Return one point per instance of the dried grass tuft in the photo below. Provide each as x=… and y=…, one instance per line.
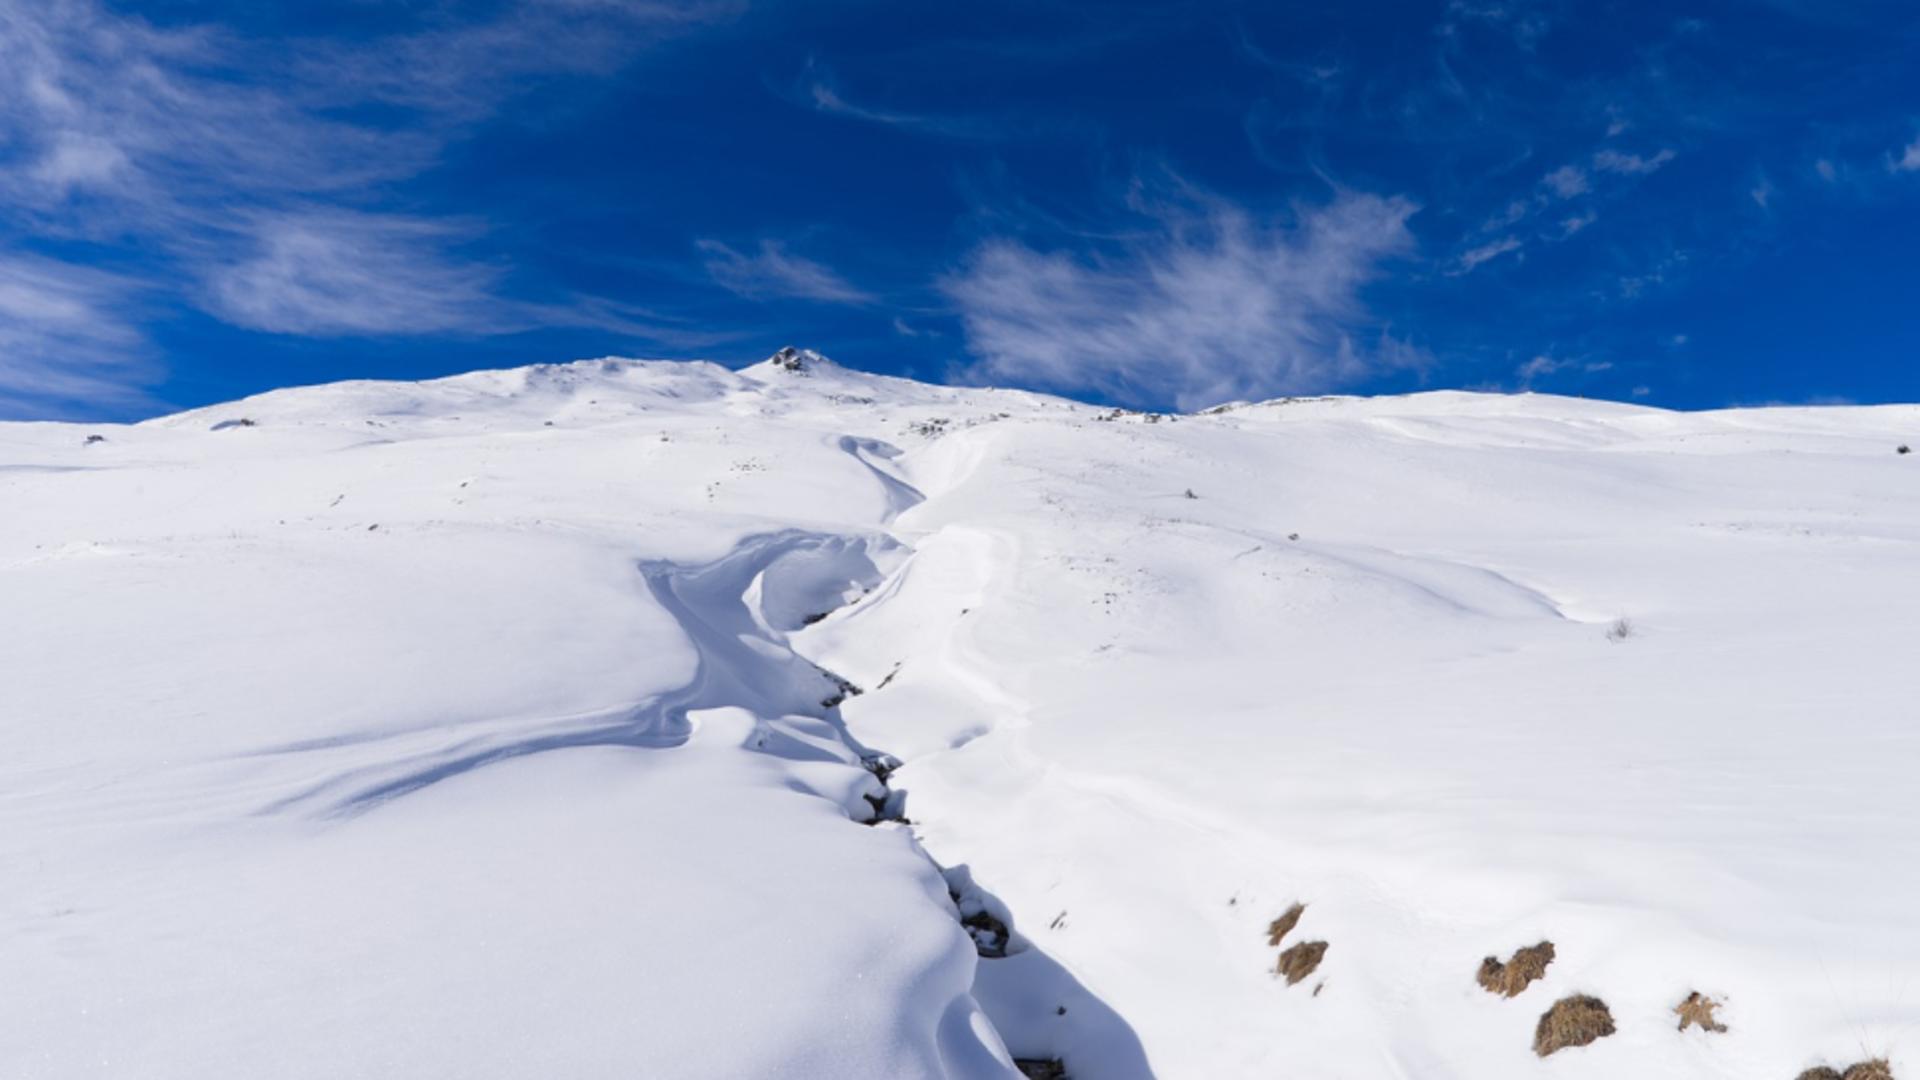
x=1299, y=961
x=1698, y=1009
x=1521, y=971
x=1573, y=1021
x=1288, y=919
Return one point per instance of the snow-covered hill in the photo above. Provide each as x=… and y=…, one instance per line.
x=511, y=725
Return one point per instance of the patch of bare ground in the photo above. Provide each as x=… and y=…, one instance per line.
x=1572, y=1021
x=1300, y=961
x=1041, y=1068
x=1281, y=926
x=1518, y=973
x=990, y=935
x=1698, y=1009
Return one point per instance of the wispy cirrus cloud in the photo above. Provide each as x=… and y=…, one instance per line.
x=1625, y=164
x=1206, y=302
x=65, y=338
x=773, y=271
x=1571, y=183
x=1525, y=23
x=820, y=89
x=257, y=178
x=1575, y=223
x=328, y=272
x=1544, y=366
x=1568, y=181
x=1487, y=252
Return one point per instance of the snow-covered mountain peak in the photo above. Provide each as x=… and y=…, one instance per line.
x=796, y=361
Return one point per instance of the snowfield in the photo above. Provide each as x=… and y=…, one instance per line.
x=648, y=719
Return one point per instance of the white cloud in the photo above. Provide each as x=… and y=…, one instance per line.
x=1571, y=225
x=1544, y=365
x=1516, y=210
x=326, y=272
x=1826, y=170
x=1527, y=27
x=1763, y=192
x=331, y=272
x=78, y=161
x=818, y=90
x=1909, y=159
x=1486, y=252
x=233, y=167
x=1206, y=304
x=1567, y=181
x=1614, y=161
x=773, y=271
x=66, y=345
x=1538, y=367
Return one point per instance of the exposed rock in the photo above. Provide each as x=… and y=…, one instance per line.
x=990, y=935
x=797, y=361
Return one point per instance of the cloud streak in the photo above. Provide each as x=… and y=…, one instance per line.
x=1487, y=252
x=1207, y=303
x=820, y=91
x=64, y=341
x=330, y=272
x=773, y=271
x=1624, y=164
x=258, y=178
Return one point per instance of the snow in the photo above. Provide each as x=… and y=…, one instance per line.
x=495, y=726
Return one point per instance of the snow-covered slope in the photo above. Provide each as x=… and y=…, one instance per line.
x=505, y=726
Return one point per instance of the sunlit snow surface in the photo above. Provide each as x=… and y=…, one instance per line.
x=478, y=728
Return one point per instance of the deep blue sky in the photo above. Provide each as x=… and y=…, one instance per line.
x=1689, y=204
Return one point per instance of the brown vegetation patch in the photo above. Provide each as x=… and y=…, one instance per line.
x=1516, y=974
x=1873, y=1069
x=1299, y=961
x=1288, y=919
x=1698, y=1009
x=1573, y=1021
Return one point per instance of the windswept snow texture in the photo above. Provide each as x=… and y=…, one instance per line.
x=499, y=726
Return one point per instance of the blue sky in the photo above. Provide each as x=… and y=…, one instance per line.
x=1686, y=204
